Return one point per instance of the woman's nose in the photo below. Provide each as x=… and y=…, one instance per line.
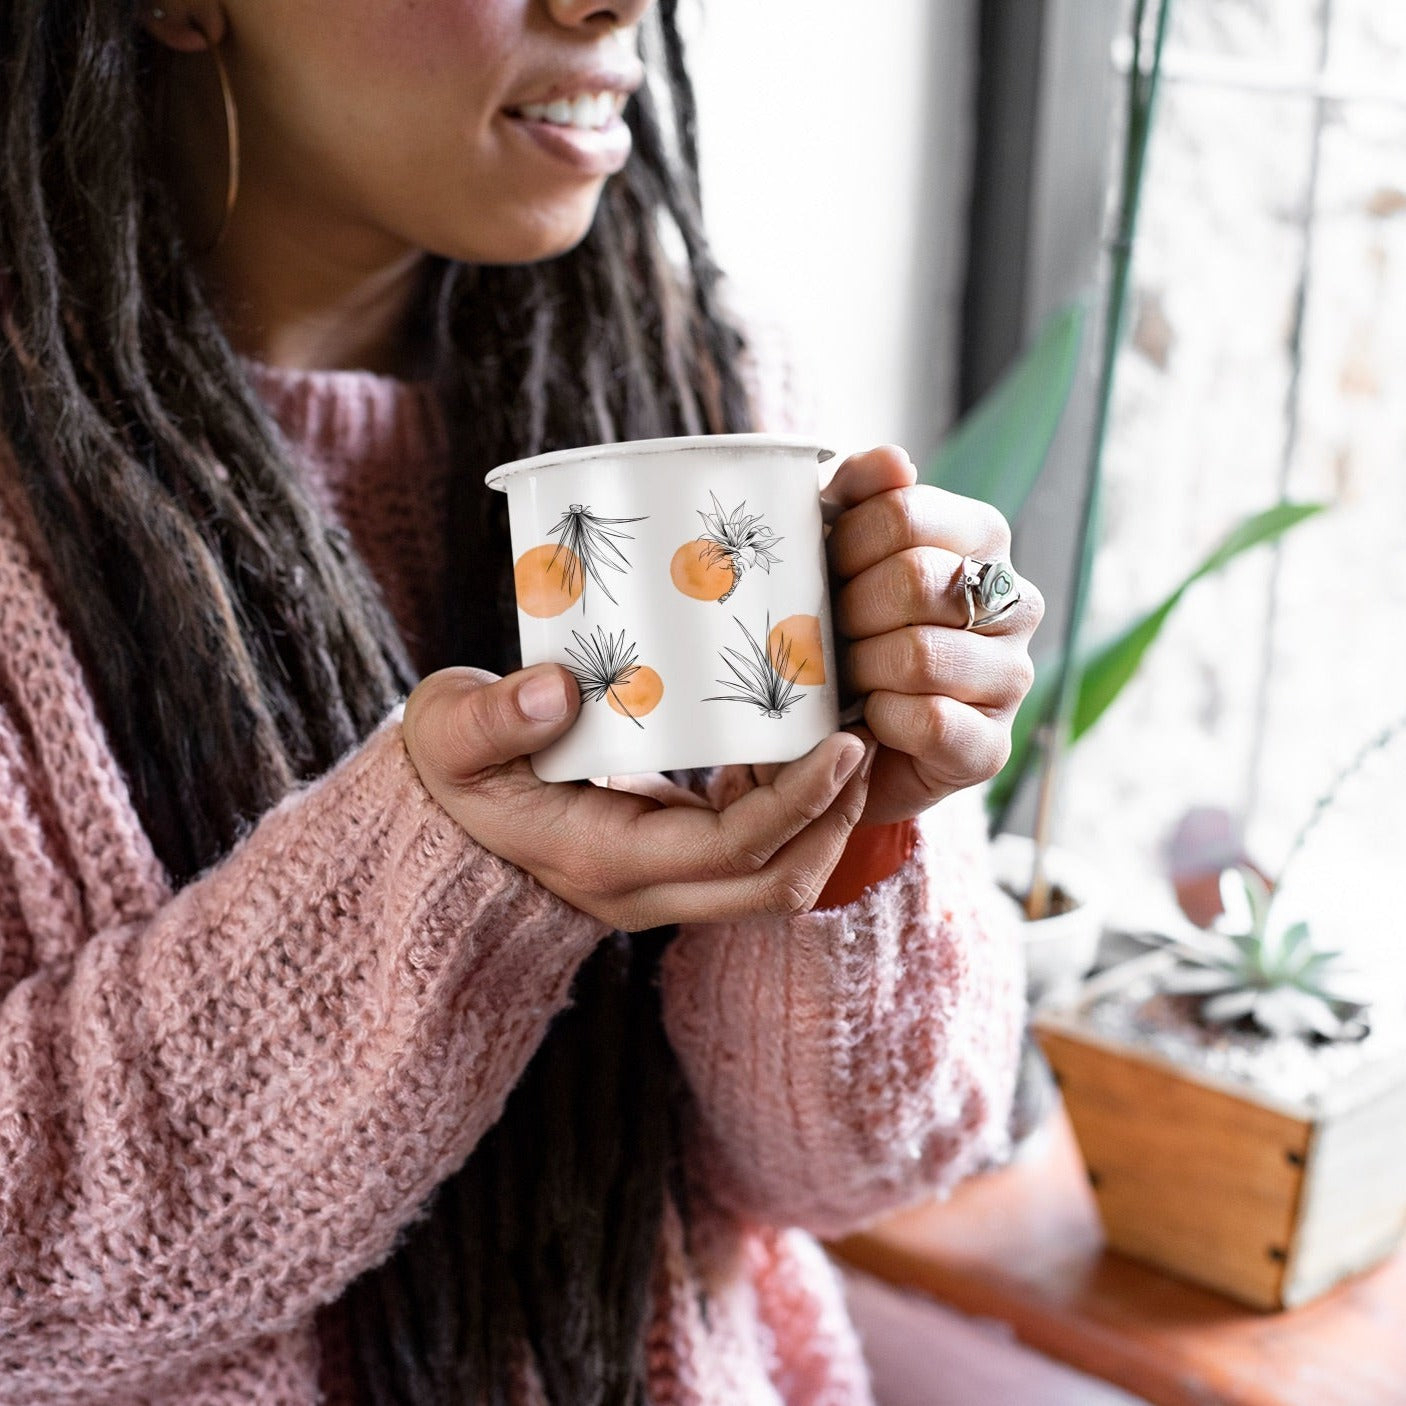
x=602, y=14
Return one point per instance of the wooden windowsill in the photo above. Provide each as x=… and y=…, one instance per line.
x=1023, y=1244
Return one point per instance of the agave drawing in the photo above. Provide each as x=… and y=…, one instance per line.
x=738, y=541
x=603, y=667
x=1275, y=978
x=587, y=544
x=766, y=683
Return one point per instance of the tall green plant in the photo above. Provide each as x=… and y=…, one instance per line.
x=1143, y=87
x=1102, y=670
x=999, y=450
x=997, y=454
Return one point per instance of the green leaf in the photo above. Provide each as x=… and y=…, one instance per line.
x=997, y=451
x=1257, y=893
x=1316, y=966
x=1248, y=944
x=1258, y=527
x=1295, y=937
x=1106, y=667
x=1110, y=665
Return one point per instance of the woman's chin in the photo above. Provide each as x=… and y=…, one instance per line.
x=529, y=238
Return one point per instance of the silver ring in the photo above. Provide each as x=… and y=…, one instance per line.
x=990, y=591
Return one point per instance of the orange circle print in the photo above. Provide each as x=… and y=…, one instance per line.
x=802, y=634
x=548, y=580
x=701, y=571
x=638, y=696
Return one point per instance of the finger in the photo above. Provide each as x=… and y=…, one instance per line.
x=656, y=844
x=459, y=722
x=953, y=742
x=761, y=821
x=790, y=881
x=660, y=844
x=743, y=836
x=863, y=475
x=764, y=773
x=656, y=786
x=991, y=672
x=920, y=516
x=469, y=734
x=919, y=586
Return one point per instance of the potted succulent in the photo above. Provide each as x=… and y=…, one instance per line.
x=1239, y=1101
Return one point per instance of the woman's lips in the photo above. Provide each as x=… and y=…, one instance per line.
x=591, y=151
x=574, y=115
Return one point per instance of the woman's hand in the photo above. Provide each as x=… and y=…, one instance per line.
x=630, y=859
x=941, y=698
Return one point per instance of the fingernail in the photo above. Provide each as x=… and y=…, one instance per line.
x=871, y=750
x=844, y=769
x=543, y=698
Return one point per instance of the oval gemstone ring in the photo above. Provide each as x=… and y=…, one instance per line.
x=990, y=590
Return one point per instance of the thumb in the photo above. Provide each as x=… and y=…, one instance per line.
x=460, y=721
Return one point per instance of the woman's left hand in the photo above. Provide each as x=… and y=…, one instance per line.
x=941, y=697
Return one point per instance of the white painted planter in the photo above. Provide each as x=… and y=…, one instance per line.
x=611, y=584
x=1059, y=950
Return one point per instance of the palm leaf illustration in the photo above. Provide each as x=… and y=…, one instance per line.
x=767, y=684
x=601, y=663
x=738, y=541
x=589, y=544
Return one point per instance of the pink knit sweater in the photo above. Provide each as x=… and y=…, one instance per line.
x=219, y=1105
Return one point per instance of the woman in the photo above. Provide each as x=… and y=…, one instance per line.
x=341, y=1059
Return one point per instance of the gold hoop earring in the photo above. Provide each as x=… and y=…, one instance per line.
x=231, y=138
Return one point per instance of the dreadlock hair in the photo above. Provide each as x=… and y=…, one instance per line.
x=200, y=581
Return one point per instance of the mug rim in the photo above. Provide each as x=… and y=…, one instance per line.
x=639, y=448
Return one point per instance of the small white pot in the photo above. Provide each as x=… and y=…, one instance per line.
x=1059, y=950
x=680, y=643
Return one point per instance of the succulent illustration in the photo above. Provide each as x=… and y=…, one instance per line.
x=1247, y=969
x=767, y=682
x=587, y=544
x=737, y=541
x=605, y=667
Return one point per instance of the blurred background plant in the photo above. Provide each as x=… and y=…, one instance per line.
x=1263, y=361
x=1254, y=968
x=998, y=451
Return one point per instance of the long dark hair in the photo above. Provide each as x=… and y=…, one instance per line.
x=199, y=580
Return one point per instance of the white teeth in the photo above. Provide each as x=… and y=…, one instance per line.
x=588, y=112
x=592, y=111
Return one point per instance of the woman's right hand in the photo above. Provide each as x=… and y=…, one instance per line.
x=629, y=859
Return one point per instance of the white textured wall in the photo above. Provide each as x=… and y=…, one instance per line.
x=834, y=144
x=1198, y=441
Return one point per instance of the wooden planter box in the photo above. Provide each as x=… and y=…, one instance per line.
x=1265, y=1200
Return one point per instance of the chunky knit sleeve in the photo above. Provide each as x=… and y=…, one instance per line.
x=218, y=1106
x=846, y=1062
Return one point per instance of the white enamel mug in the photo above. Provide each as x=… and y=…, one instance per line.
x=683, y=582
